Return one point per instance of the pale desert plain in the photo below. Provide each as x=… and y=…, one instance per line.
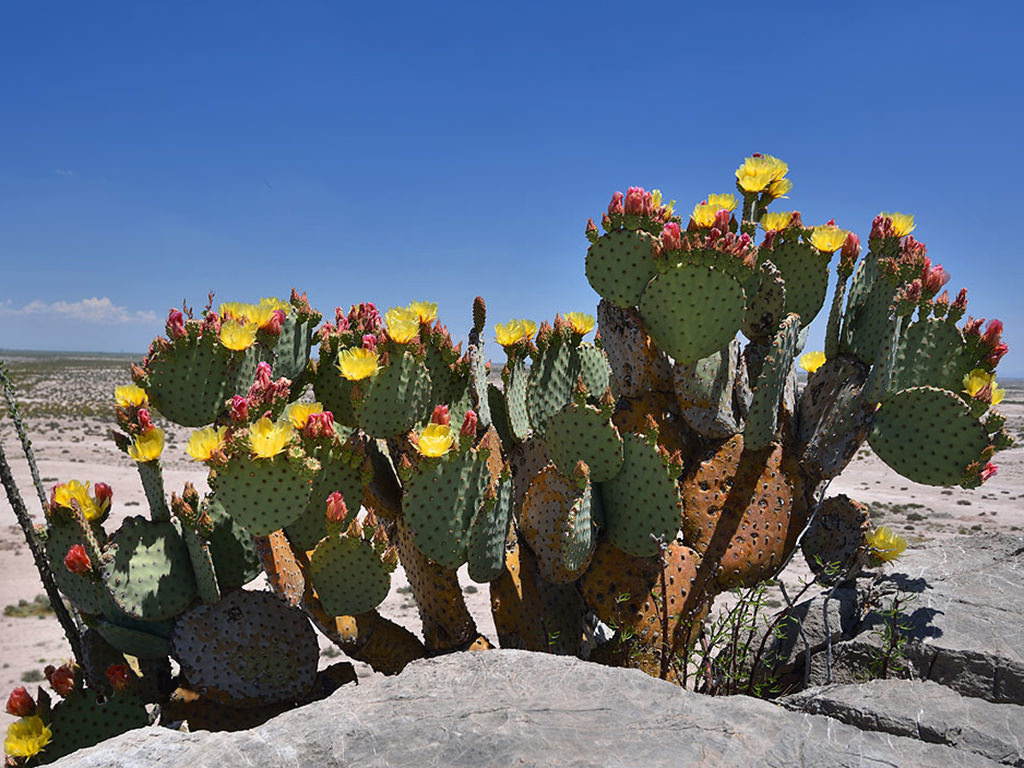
x=66, y=403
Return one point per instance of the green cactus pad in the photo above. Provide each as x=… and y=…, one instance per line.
x=866, y=324
x=202, y=565
x=767, y=307
x=594, y=370
x=396, y=398
x=84, y=720
x=499, y=414
x=488, y=532
x=231, y=546
x=515, y=400
x=640, y=500
x=330, y=387
x=928, y=435
x=247, y=650
x=620, y=264
x=348, y=576
x=86, y=591
x=557, y=524
x=189, y=381
x=805, y=272
x=478, y=386
x=335, y=475
x=582, y=433
x=263, y=494
x=931, y=353
x=835, y=416
x=552, y=379
x=142, y=639
x=443, y=385
x=704, y=391
x=290, y=353
x=440, y=501
x=692, y=311
x=152, y=476
x=147, y=570
x=526, y=460
x=763, y=416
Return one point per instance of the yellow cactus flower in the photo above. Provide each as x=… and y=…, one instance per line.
x=203, y=443
x=237, y=335
x=436, y=440
x=268, y=438
x=403, y=324
x=235, y=310
x=275, y=303
x=723, y=202
x=259, y=315
x=514, y=331
x=884, y=545
x=777, y=220
x=580, y=322
x=981, y=384
x=757, y=173
x=357, y=363
x=828, y=239
x=426, y=310
x=779, y=188
x=298, y=413
x=27, y=737
x=812, y=361
x=703, y=214
x=129, y=395
x=656, y=202
x=73, y=490
x=148, y=446
x=902, y=223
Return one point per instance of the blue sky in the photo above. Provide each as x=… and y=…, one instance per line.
x=440, y=151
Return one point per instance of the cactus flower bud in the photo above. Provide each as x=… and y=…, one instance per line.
x=722, y=220
x=120, y=676
x=103, y=494
x=989, y=470
x=273, y=326
x=20, y=703
x=77, y=561
x=992, y=358
x=239, y=409
x=606, y=222
x=973, y=325
x=369, y=342
x=851, y=249
x=993, y=333
x=960, y=302
x=440, y=415
x=592, y=232
x=616, y=206
x=336, y=509
x=61, y=679
x=175, y=324
x=638, y=202
x=469, y=424
x=671, y=238
x=935, y=277
x=145, y=423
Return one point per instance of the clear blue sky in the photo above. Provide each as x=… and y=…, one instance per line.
x=390, y=151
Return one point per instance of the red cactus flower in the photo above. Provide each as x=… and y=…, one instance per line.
x=934, y=278
x=993, y=333
x=992, y=358
x=722, y=220
x=273, y=327
x=369, y=342
x=336, y=509
x=469, y=424
x=671, y=237
x=175, y=324
x=440, y=415
x=20, y=703
x=239, y=409
x=103, y=494
x=989, y=471
x=120, y=676
x=145, y=423
x=638, y=202
x=616, y=206
x=61, y=679
x=77, y=560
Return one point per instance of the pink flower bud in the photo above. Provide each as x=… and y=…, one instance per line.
x=830, y=223
x=120, y=676
x=469, y=424
x=273, y=327
x=615, y=206
x=369, y=342
x=671, y=238
x=851, y=248
x=440, y=415
x=638, y=202
x=722, y=220
x=211, y=323
x=881, y=227
x=973, y=325
x=319, y=425
x=61, y=679
x=336, y=509
x=145, y=424
x=993, y=333
x=239, y=409
x=175, y=324
x=992, y=358
x=606, y=221
x=591, y=227
x=989, y=471
x=20, y=703
x=934, y=278
x=77, y=561
x=103, y=493
x=263, y=380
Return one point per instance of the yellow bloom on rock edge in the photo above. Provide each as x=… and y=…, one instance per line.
x=580, y=322
x=902, y=223
x=27, y=737
x=757, y=173
x=828, y=239
x=148, y=446
x=884, y=546
x=357, y=363
x=298, y=413
x=237, y=335
x=514, y=331
x=129, y=395
x=73, y=490
x=426, y=310
x=403, y=324
x=978, y=380
x=436, y=440
x=269, y=439
x=812, y=361
x=203, y=443
x=777, y=220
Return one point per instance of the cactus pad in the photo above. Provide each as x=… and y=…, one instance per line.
x=805, y=272
x=930, y=353
x=767, y=307
x=396, y=398
x=234, y=555
x=620, y=264
x=264, y=494
x=290, y=353
x=488, y=532
x=557, y=524
x=866, y=324
x=836, y=541
x=928, y=435
x=248, y=650
x=285, y=573
x=763, y=416
x=704, y=391
x=582, y=433
x=641, y=500
x=552, y=379
x=83, y=720
x=636, y=364
x=593, y=369
x=348, y=576
x=335, y=475
x=692, y=310
x=86, y=591
x=515, y=400
x=835, y=416
x=142, y=639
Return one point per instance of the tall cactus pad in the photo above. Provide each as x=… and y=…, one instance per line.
x=582, y=433
x=866, y=324
x=330, y=388
x=593, y=369
x=264, y=494
x=396, y=398
x=931, y=353
x=928, y=435
x=478, y=385
x=290, y=354
x=556, y=522
x=552, y=379
x=284, y=570
x=805, y=272
x=234, y=555
x=488, y=532
x=348, y=576
x=836, y=542
x=248, y=650
x=705, y=392
x=763, y=416
x=83, y=720
x=620, y=264
x=148, y=571
x=742, y=510
x=336, y=474
x=640, y=503
x=835, y=416
x=515, y=399
x=144, y=640
x=189, y=380
x=693, y=310
x=202, y=565
x=636, y=364
x=767, y=307
x=86, y=591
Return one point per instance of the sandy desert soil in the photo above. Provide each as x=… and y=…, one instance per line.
x=66, y=404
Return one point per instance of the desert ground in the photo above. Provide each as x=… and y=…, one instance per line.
x=66, y=404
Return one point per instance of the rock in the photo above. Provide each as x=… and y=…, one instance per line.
x=504, y=708
x=922, y=710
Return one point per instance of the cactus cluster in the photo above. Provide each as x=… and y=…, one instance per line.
x=607, y=491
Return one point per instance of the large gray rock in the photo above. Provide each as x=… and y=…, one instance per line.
x=505, y=708
x=922, y=710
